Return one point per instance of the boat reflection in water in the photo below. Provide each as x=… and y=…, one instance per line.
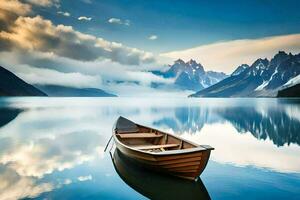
x=154, y=185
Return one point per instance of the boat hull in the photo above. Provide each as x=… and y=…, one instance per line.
x=185, y=165
x=154, y=185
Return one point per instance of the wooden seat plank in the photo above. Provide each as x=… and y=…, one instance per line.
x=148, y=147
x=139, y=135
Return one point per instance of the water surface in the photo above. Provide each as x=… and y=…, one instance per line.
x=52, y=148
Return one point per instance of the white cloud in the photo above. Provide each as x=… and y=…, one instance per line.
x=226, y=56
x=84, y=18
x=67, y=181
x=52, y=77
x=85, y=178
x=119, y=21
x=66, y=14
x=152, y=37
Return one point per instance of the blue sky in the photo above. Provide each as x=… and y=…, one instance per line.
x=180, y=24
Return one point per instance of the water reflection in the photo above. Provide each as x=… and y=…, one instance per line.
x=7, y=115
x=280, y=124
x=43, y=140
x=274, y=124
x=157, y=186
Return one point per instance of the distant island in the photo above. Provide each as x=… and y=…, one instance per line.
x=12, y=85
x=63, y=91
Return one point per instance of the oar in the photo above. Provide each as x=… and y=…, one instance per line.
x=108, y=142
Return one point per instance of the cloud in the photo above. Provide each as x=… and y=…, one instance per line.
x=15, y=7
x=52, y=77
x=85, y=178
x=119, y=21
x=37, y=34
x=66, y=14
x=83, y=18
x=44, y=3
x=44, y=155
x=10, y=11
x=226, y=56
x=14, y=186
x=152, y=37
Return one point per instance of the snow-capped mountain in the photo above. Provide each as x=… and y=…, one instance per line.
x=191, y=75
x=262, y=78
x=239, y=69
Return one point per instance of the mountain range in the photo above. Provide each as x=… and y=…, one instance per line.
x=264, y=78
x=190, y=75
x=278, y=76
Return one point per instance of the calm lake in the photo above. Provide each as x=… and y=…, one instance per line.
x=52, y=148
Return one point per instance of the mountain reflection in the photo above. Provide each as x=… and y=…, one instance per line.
x=188, y=119
x=280, y=124
x=7, y=115
x=275, y=125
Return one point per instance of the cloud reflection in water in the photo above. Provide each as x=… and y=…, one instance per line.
x=48, y=136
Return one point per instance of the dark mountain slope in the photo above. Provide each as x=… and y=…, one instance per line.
x=293, y=91
x=11, y=85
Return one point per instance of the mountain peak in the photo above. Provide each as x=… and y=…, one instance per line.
x=281, y=53
x=240, y=69
x=260, y=62
x=191, y=75
x=279, y=57
x=179, y=61
x=191, y=61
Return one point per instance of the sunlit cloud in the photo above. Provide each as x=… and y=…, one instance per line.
x=119, y=21
x=226, y=56
x=37, y=34
x=44, y=3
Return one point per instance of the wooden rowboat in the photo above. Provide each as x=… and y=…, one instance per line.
x=159, y=150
